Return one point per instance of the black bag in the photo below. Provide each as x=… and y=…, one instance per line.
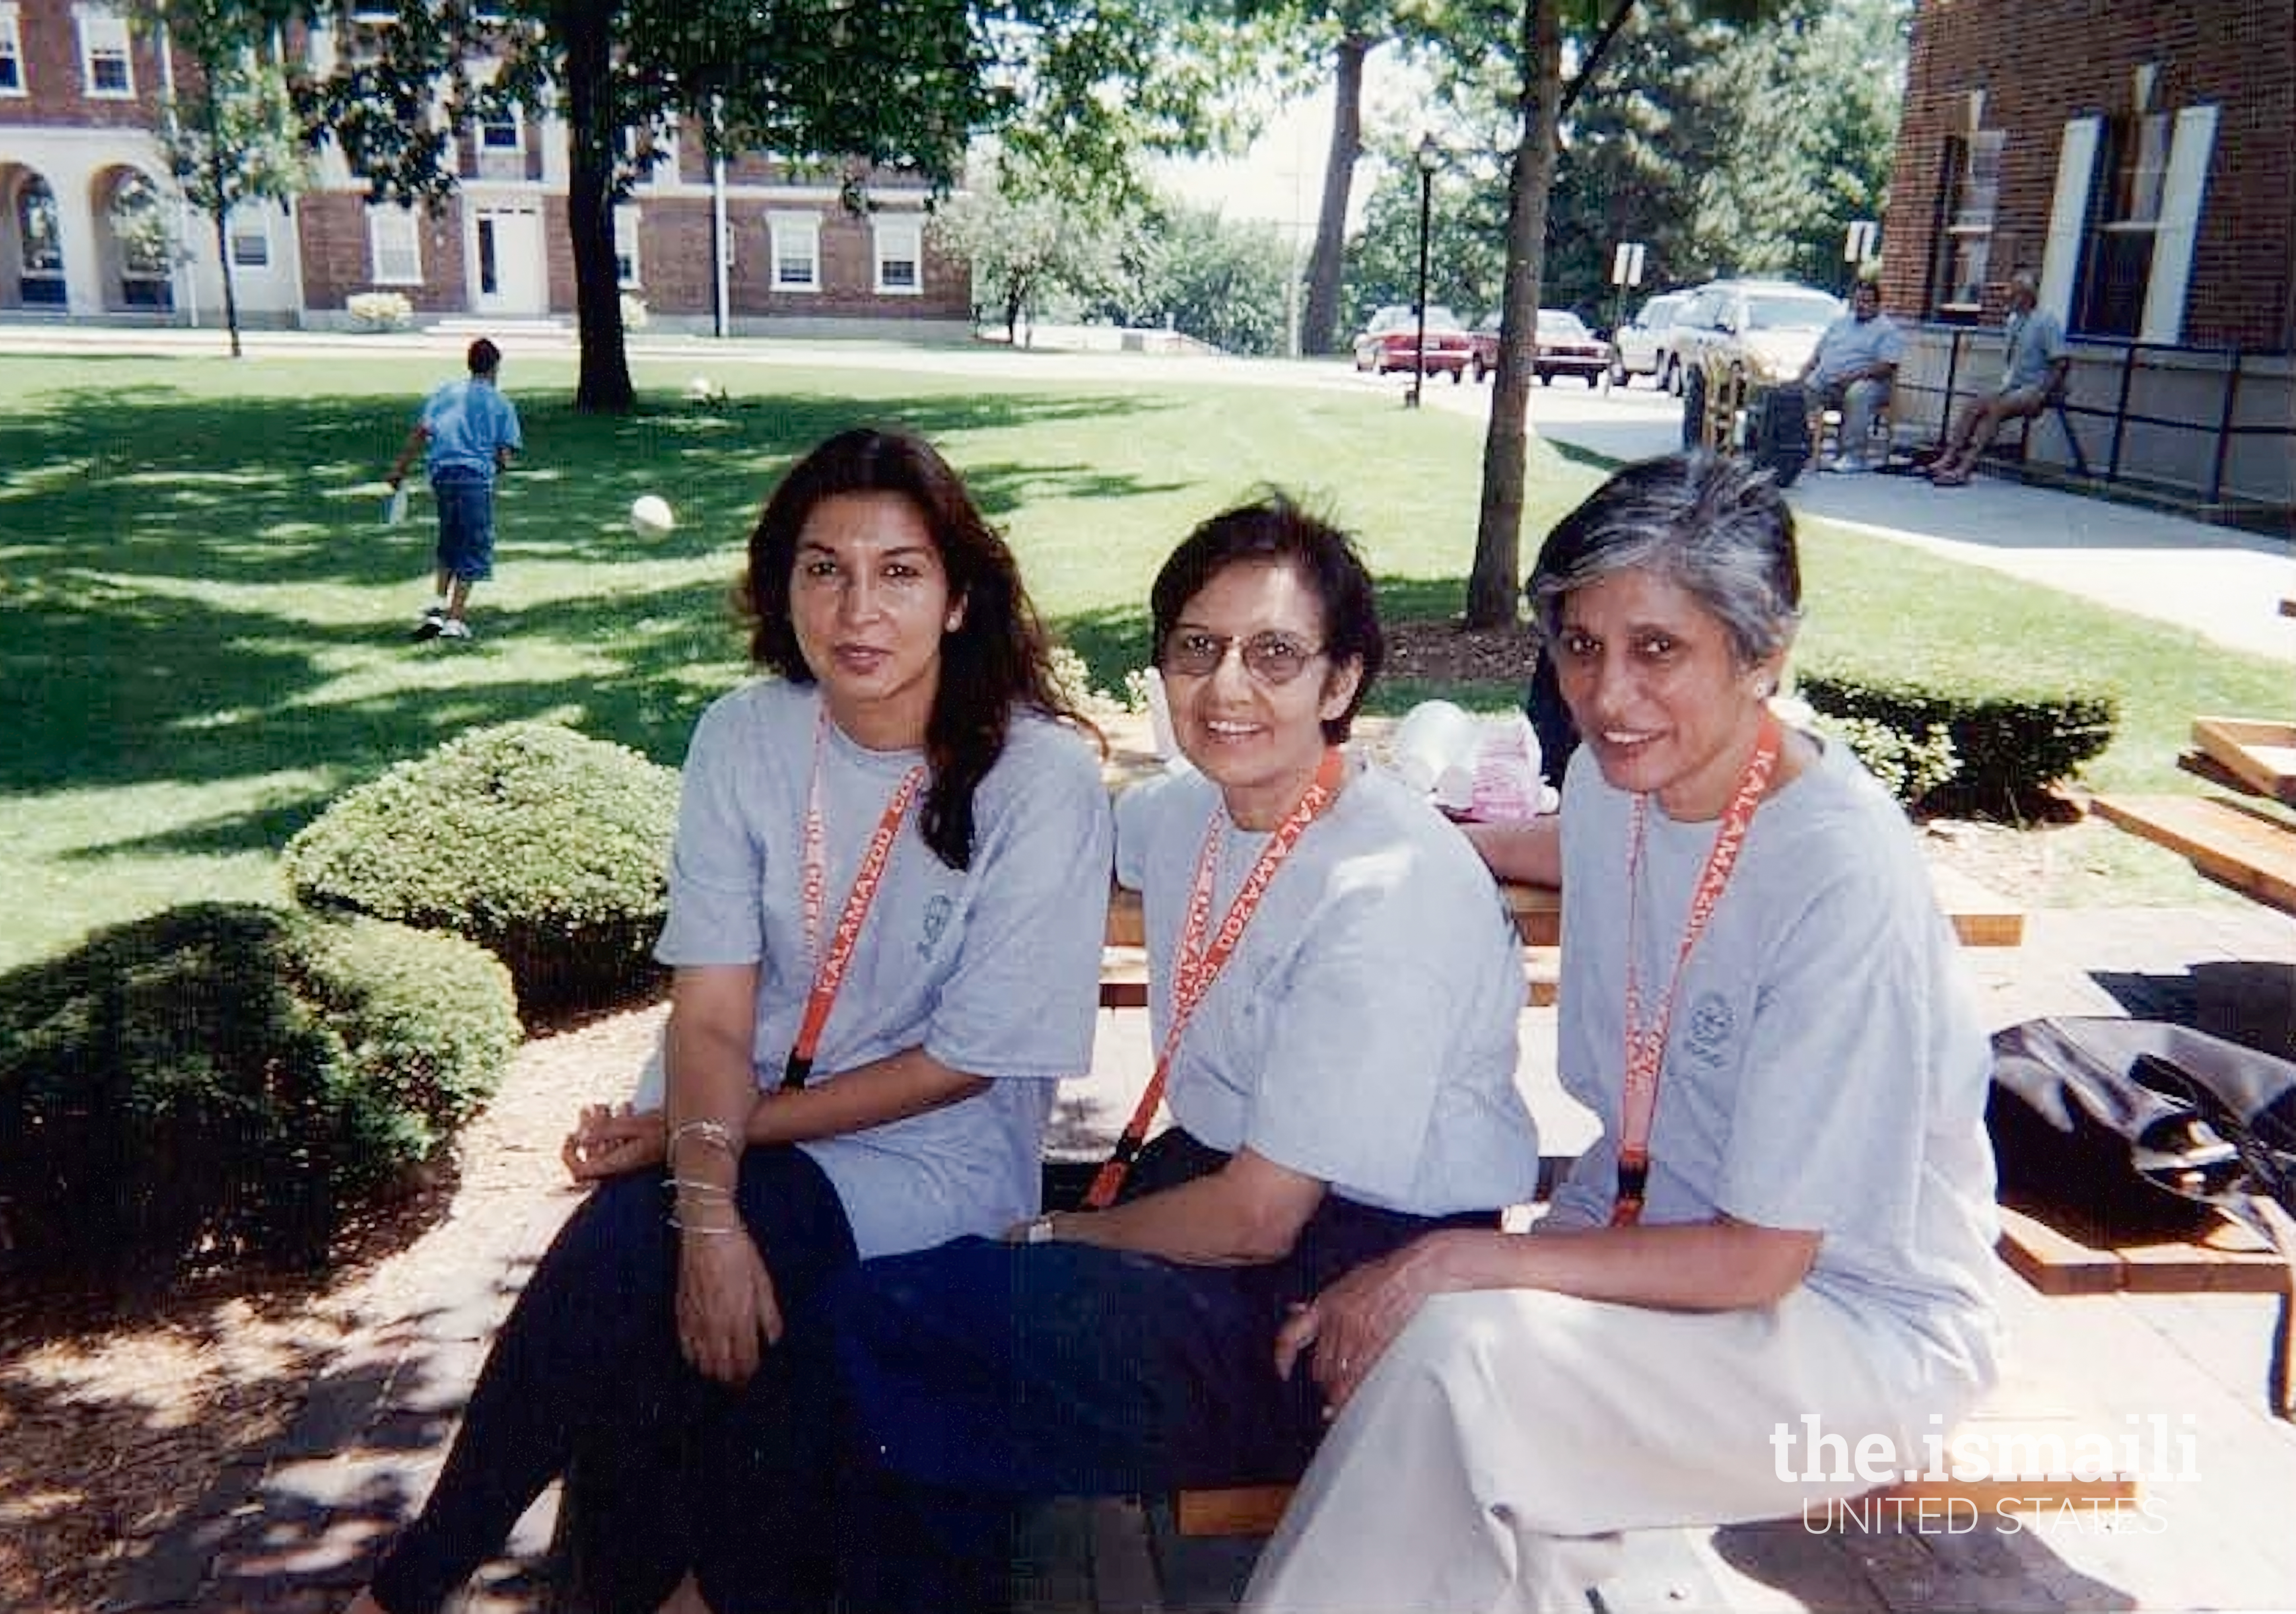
x=2132, y=1132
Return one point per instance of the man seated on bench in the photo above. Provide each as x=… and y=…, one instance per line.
x=1785, y=1229
x=1852, y=369
x=2034, y=362
x=1337, y=989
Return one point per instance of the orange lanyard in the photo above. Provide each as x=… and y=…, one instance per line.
x=1202, y=953
x=828, y=968
x=1646, y=1044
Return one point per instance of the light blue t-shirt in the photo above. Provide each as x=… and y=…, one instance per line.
x=1364, y=1030
x=468, y=421
x=994, y=970
x=2031, y=343
x=1825, y=1068
x=1850, y=343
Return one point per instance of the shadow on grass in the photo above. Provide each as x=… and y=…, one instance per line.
x=199, y=589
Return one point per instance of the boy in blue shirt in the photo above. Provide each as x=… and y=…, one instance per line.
x=467, y=430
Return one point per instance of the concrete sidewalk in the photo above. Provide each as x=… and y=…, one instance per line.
x=2221, y=583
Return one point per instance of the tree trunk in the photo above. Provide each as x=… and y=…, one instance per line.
x=1319, y=320
x=215, y=193
x=1496, y=578
x=586, y=30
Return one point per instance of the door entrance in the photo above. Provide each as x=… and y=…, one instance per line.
x=509, y=263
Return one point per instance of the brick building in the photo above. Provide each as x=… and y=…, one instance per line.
x=2141, y=159
x=91, y=225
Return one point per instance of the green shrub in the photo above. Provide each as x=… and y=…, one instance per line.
x=2010, y=743
x=212, y=1084
x=1907, y=768
x=547, y=848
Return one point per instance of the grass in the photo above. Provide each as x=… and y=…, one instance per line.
x=207, y=622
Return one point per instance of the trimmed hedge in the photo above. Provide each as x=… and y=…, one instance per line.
x=548, y=848
x=2011, y=744
x=217, y=1082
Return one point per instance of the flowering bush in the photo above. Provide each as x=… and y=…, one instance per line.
x=382, y=310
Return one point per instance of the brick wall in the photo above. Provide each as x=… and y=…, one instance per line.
x=2043, y=62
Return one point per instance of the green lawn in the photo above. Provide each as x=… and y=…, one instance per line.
x=206, y=622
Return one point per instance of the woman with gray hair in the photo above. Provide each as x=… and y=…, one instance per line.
x=1784, y=1234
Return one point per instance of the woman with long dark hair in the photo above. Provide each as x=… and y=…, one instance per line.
x=887, y=896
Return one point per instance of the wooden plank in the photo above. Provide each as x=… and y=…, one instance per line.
x=2288, y=608
x=1239, y=1510
x=2228, y=1261
x=1981, y=917
x=2246, y=849
x=2261, y=753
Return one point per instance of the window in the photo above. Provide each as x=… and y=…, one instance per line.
x=899, y=245
x=140, y=225
x=2117, y=259
x=626, y=248
x=395, y=246
x=499, y=134
x=651, y=153
x=11, y=51
x=39, y=235
x=795, y=239
x=1966, y=203
x=250, y=238
x=104, y=67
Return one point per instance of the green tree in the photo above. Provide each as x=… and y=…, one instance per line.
x=1027, y=241
x=1224, y=283
x=228, y=129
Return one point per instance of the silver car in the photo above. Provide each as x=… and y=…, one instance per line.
x=1641, y=347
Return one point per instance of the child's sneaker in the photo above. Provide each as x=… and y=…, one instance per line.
x=454, y=627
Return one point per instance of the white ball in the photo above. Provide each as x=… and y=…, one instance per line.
x=651, y=517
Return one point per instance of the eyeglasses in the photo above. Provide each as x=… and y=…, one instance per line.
x=1271, y=658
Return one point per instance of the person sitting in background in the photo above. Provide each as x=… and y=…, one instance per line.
x=1853, y=369
x=1787, y=1220
x=888, y=893
x=2033, y=365
x=1337, y=993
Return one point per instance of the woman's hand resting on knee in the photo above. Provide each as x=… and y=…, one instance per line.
x=1350, y=1324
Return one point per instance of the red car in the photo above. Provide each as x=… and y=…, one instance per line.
x=1386, y=344
x=1563, y=346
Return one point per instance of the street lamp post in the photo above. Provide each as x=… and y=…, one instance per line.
x=1429, y=157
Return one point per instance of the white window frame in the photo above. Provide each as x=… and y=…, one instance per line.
x=627, y=271
x=248, y=224
x=515, y=124
x=783, y=233
x=103, y=37
x=382, y=223
x=898, y=239
x=663, y=138
x=11, y=51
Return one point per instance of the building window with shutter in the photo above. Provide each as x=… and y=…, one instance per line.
x=106, y=70
x=2132, y=166
x=11, y=51
x=1966, y=204
x=899, y=251
x=39, y=237
x=795, y=241
x=394, y=246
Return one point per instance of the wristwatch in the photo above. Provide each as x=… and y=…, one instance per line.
x=1041, y=1230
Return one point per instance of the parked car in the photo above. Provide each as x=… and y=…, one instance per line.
x=1388, y=342
x=1643, y=345
x=1562, y=346
x=1761, y=331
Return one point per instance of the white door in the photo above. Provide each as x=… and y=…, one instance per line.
x=506, y=257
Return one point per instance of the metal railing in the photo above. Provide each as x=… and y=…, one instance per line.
x=2226, y=368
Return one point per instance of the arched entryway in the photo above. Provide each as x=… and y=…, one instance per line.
x=31, y=240
x=136, y=241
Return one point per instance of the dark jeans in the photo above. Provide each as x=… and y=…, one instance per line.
x=676, y=1471
x=980, y=1373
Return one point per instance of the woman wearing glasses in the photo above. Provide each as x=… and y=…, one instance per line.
x=1780, y=1250
x=887, y=898
x=1337, y=989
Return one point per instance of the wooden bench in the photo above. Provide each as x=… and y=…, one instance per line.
x=2037, y=1453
